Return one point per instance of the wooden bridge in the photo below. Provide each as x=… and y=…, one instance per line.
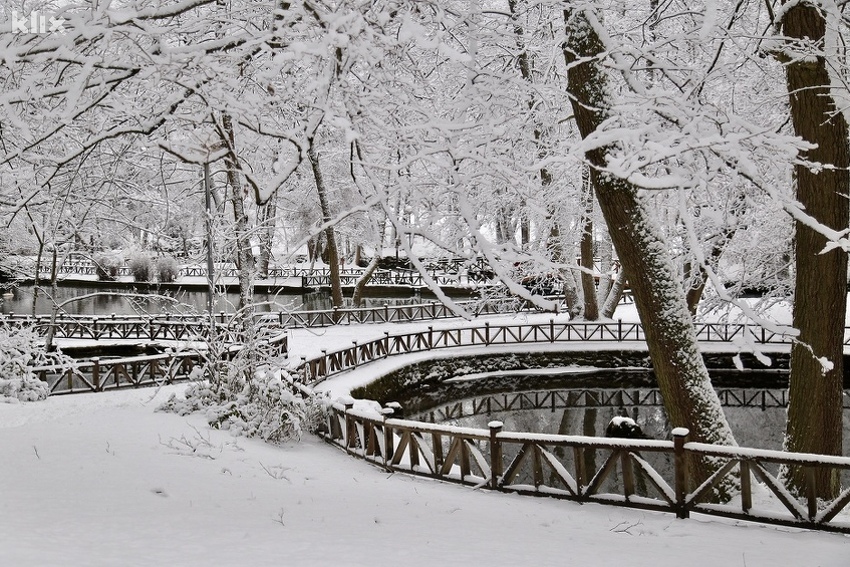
x=320, y=368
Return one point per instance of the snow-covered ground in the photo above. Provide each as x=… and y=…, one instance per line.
x=103, y=480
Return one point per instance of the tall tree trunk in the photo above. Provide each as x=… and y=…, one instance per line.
x=588, y=282
x=689, y=398
x=333, y=254
x=615, y=292
x=606, y=261
x=820, y=297
x=568, y=281
x=267, y=222
x=244, y=253
x=360, y=286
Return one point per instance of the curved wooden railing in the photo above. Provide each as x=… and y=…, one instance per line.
x=644, y=474
x=328, y=364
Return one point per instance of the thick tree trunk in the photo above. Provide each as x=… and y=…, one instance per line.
x=333, y=254
x=820, y=298
x=689, y=398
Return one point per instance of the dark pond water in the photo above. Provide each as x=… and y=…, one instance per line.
x=110, y=300
x=756, y=415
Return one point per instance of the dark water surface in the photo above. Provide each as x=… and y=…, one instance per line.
x=757, y=415
x=111, y=300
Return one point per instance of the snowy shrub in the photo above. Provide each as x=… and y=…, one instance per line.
x=252, y=403
x=141, y=266
x=21, y=349
x=107, y=265
x=167, y=269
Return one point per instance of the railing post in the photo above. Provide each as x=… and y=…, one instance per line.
x=487, y=333
x=551, y=330
x=746, y=487
x=387, y=413
x=619, y=330
x=495, y=453
x=350, y=433
x=430, y=337
x=680, y=434
x=95, y=373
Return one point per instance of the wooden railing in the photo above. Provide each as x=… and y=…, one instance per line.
x=189, y=326
x=156, y=327
x=328, y=364
x=645, y=474
x=96, y=375
x=99, y=374
x=311, y=278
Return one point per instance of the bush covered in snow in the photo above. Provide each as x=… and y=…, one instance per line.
x=167, y=269
x=107, y=266
x=141, y=266
x=249, y=399
x=21, y=349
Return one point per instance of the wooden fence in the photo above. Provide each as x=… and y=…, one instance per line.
x=189, y=326
x=164, y=327
x=99, y=374
x=645, y=474
x=328, y=364
x=311, y=278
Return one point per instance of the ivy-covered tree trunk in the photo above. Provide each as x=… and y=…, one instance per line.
x=689, y=398
x=820, y=297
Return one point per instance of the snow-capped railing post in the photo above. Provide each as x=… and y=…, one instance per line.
x=387, y=413
x=95, y=373
x=495, y=453
x=680, y=435
x=350, y=426
x=619, y=330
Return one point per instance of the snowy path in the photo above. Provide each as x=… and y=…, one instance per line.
x=102, y=480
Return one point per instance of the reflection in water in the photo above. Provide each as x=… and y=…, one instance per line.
x=587, y=411
x=111, y=300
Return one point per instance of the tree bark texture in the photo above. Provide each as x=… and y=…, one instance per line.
x=689, y=398
x=588, y=282
x=820, y=297
x=244, y=251
x=333, y=254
